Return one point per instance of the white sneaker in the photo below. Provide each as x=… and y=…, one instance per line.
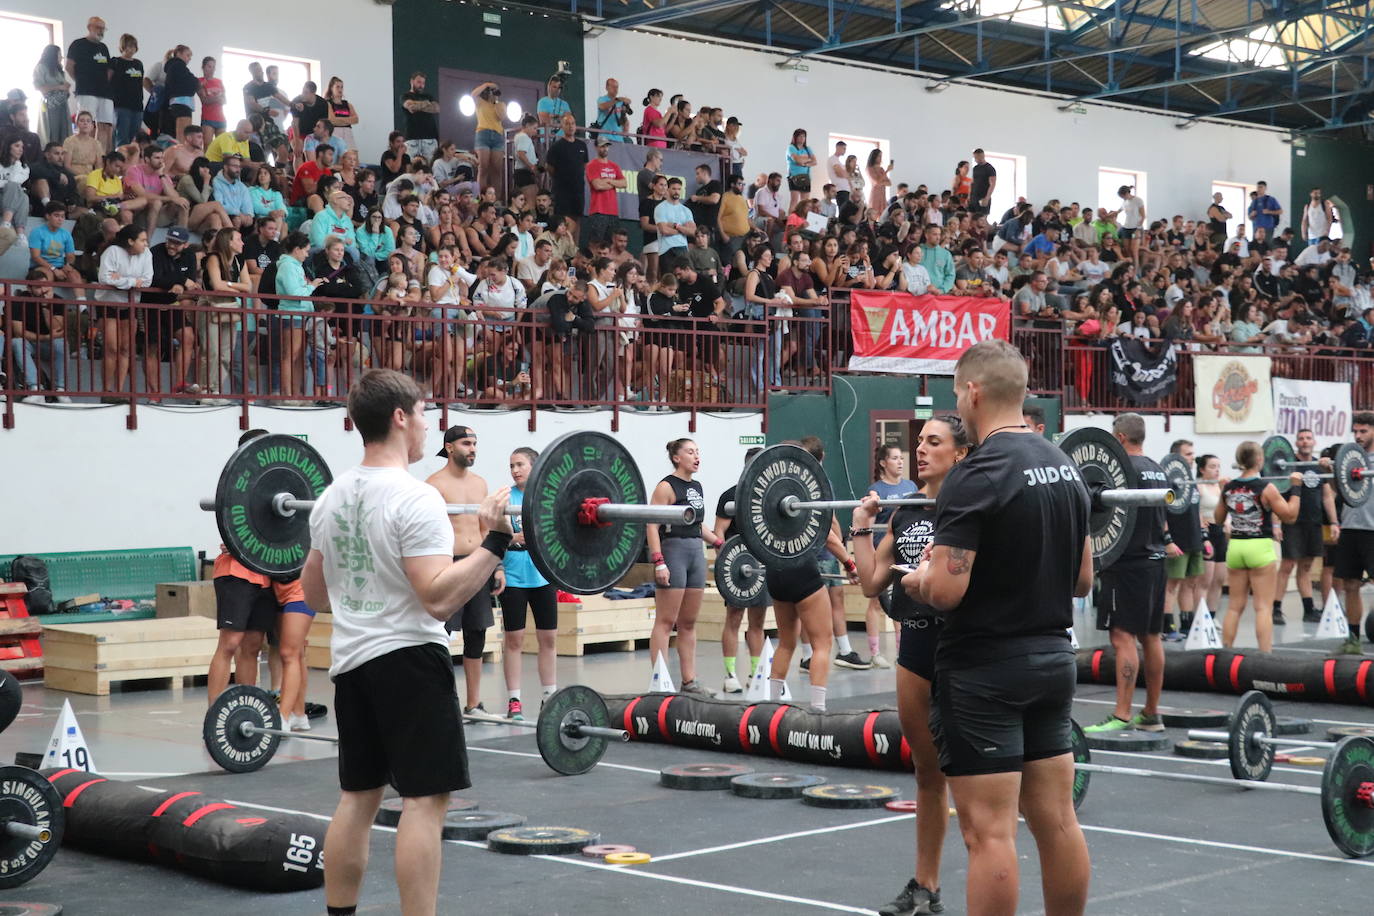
x=22, y=240
x=298, y=723
x=732, y=685
x=62, y=398
x=879, y=662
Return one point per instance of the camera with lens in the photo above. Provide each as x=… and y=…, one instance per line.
x=490, y=94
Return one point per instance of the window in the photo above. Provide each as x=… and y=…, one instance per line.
x=860, y=148
x=25, y=39
x=233, y=69
x=1235, y=197
x=1110, y=179
x=1011, y=183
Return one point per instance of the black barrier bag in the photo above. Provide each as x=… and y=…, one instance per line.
x=1311, y=678
x=33, y=572
x=11, y=698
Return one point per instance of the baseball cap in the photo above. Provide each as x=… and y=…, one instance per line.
x=179, y=234
x=455, y=432
x=733, y=120
x=16, y=95
x=603, y=140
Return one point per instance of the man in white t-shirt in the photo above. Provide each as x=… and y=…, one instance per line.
x=1093, y=268
x=381, y=559
x=1131, y=219
x=838, y=175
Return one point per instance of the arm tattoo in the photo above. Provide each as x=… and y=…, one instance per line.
x=958, y=562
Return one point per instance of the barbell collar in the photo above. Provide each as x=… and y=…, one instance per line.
x=1196, y=777
x=1202, y=734
x=1133, y=497
x=27, y=831
x=286, y=505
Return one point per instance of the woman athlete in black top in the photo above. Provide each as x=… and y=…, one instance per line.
x=941, y=444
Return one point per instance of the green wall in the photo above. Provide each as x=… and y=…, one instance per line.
x=429, y=34
x=1342, y=169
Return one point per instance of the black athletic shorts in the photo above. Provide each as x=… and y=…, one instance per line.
x=1216, y=536
x=476, y=614
x=1301, y=541
x=995, y=717
x=794, y=584
x=916, y=639
x=399, y=723
x=1132, y=599
x=799, y=183
x=241, y=605
x=1354, y=554
x=543, y=601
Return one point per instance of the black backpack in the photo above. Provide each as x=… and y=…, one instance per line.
x=33, y=572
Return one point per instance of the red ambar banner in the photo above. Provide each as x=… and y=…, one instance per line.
x=899, y=332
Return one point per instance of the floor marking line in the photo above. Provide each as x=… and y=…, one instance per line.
x=1217, y=844
x=782, y=836
x=1292, y=699
x=618, y=766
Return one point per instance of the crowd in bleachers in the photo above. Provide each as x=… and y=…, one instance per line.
x=282, y=211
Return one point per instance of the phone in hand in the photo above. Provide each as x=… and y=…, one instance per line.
x=902, y=569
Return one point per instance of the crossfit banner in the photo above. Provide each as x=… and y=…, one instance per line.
x=1141, y=374
x=920, y=335
x=1323, y=407
x=676, y=164
x=1232, y=394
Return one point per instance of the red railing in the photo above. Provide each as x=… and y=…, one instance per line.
x=221, y=354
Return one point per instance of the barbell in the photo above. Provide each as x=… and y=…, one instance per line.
x=1250, y=738
x=583, y=513
x=1350, y=471
x=1346, y=791
x=242, y=729
x=739, y=576
x=784, y=500
x=31, y=824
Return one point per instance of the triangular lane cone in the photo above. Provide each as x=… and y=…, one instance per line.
x=1333, y=624
x=67, y=747
x=662, y=680
x=1203, y=633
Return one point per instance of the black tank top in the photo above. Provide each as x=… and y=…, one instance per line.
x=685, y=493
x=1250, y=518
x=912, y=529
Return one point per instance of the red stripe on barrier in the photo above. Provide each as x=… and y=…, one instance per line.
x=158, y=811
x=906, y=754
x=869, y=744
x=204, y=810
x=1097, y=663
x=1235, y=671
x=1329, y=676
x=628, y=724
x=773, y=728
x=60, y=773
x=71, y=796
x=1210, y=667
x=744, y=742
x=663, y=719
x=1360, y=677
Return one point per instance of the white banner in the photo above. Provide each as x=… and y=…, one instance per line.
x=1323, y=407
x=1232, y=394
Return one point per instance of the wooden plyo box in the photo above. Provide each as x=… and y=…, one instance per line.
x=89, y=657
x=186, y=599
x=317, y=654
x=711, y=620
x=596, y=621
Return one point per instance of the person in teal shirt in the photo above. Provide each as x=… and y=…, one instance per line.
x=267, y=200
x=939, y=263
x=526, y=588
x=291, y=281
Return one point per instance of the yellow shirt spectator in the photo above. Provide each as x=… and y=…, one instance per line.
x=734, y=215
x=226, y=144
x=105, y=187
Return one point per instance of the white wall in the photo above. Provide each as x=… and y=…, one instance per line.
x=351, y=40
x=76, y=479
x=1160, y=433
x=931, y=132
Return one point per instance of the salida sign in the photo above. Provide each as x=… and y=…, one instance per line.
x=899, y=332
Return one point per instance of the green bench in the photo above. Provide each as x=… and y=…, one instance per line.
x=131, y=574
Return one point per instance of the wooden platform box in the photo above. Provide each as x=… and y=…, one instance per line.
x=711, y=620
x=598, y=621
x=89, y=657
x=856, y=609
x=186, y=599
x=317, y=654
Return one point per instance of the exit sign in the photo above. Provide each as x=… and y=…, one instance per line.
x=751, y=440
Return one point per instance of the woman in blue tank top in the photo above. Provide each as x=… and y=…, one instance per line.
x=889, y=464
x=525, y=590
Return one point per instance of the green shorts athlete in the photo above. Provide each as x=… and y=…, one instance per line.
x=1250, y=553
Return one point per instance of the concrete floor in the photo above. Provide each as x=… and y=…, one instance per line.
x=1157, y=847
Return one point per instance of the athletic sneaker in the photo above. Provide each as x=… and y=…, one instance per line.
x=877, y=661
x=514, y=710
x=1109, y=724
x=695, y=688
x=805, y=666
x=1173, y=636
x=1146, y=723
x=732, y=685
x=912, y=900
x=1351, y=646
x=851, y=660
x=478, y=712
x=1312, y=616
x=298, y=723
x=1279, y=619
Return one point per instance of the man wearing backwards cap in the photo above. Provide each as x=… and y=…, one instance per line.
x=459, y=484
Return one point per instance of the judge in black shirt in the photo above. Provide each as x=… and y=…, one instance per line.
x=1132, y=604
x=1010, y=553
x=566, y=161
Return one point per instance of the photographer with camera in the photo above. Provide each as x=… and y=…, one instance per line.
x=552, y=107
x=490, y=142
x=613, y=113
